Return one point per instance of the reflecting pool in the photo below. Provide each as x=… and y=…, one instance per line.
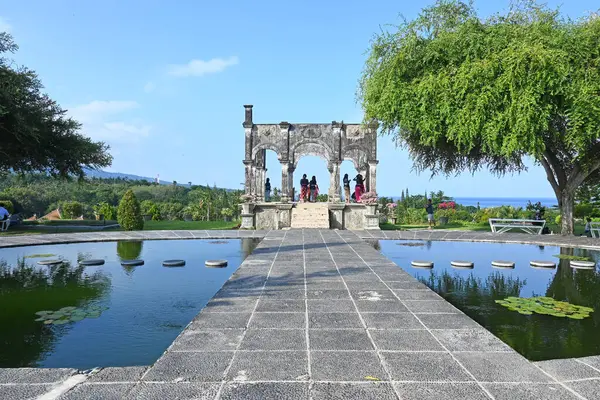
x=536, y=336
x=119, y=315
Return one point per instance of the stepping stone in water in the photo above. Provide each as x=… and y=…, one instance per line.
x=132, y=263
x=173, y=263
x=422, y=264
x=91, y=262
x=462, y=264
x=542, y=264
x=216, y=263
x=50, y=262
x=578, y=264
x=503, y=264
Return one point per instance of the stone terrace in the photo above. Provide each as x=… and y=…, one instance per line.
x=322, y=315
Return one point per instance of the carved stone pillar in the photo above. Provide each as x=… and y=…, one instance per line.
x=291, y=170
x=373, y=175
x=248, y=177
x=364, y=171
x=260, y=174
x=285, y=180
x=334, y=181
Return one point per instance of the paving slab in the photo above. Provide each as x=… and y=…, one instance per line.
x=22, y=392
x=269, y=366
x=344, y=391
x=441, y=391
x=265, y=391
x=35, y=375
x=117, y=374
x=175, y=391
x=529, y=391
x=98, y=391
x=568, y=369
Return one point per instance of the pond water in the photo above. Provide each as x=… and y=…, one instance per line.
x=133, y=313
x=536, y=336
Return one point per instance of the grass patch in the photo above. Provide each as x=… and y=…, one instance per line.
x=69, y=222
x=188, y=225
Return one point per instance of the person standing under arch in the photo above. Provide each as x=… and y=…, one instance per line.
x=359, y=189
x=303, y=188
x=347, y=188
x=314, y=189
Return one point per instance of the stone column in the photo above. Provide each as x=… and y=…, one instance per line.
x=260, y=173
x=248, y=162
x=285, y=181
x=291, y=170
x=334, y=181
x=248, y=176
x=373, y=175
x=364, y=171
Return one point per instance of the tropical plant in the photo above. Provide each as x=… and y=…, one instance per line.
x=106, y=210
x=463, y=92
x=129, y=215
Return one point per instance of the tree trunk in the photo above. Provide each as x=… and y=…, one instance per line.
x=566, y=204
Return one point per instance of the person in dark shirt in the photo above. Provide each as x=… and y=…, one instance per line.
x=303, y=188
x=359, y=189
x=314, y=189
x=429, y=209
x=347, y=188
x=268, y=190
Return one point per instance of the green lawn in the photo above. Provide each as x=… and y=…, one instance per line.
x=579, y=227
x=188, y=225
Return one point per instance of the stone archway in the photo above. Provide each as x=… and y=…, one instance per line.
x=334, y=142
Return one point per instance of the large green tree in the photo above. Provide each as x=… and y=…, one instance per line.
x=35, y=133
x=464, y=93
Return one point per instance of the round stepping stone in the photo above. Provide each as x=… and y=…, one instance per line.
x=577, y=264
x=50, y=262
x=503, y=264
x=542, y=264
x=462, y=264
x=92, y=262
x=132, y=263
x=422, y=264
x=215, y=263
x=173, y=263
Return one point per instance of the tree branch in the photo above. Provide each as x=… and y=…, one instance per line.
x=554, y=164
x=551, y=178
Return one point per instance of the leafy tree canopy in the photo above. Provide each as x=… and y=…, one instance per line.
x=35, y=133
x=462, y=93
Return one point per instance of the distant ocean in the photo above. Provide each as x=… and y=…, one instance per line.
x=485, y=202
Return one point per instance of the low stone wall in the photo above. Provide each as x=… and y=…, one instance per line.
x=267, y=216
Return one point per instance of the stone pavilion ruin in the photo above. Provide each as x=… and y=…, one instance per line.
x=334, y=142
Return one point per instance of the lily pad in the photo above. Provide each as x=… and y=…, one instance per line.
x=44, y=313
x=48, y=322
x=67, y=309
x=77, y=318
x=61, y=322
x=545, y=306
x=40, y=319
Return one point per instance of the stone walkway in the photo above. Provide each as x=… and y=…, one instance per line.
x=322, y=315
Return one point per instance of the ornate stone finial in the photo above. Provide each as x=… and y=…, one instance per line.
x=284, y=125
x=248, y=116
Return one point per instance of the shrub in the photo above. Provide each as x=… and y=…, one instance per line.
x=171, y=211
x=8, y=205
x=583, y=210
x=109, y=212
x=129, y=214
x=557, y=220
x=71, y=209
x=150, y=208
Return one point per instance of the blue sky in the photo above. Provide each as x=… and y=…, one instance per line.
x=164, y=82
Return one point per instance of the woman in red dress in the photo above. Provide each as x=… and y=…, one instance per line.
x=359, y=189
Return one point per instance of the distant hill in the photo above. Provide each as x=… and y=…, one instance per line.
x=114, y=175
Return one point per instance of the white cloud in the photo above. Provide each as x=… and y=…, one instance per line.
x=201, y=67
x=149, y=87
x=103, y=120
x=4, y=25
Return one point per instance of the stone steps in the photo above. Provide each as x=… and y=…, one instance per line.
x=310, y=215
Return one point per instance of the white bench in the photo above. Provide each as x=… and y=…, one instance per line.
x=531, y=226
x=595, y=229
x=5, y=224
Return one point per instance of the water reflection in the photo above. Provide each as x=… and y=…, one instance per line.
x=147, y=310
x=26, y=289
x=537, y=337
